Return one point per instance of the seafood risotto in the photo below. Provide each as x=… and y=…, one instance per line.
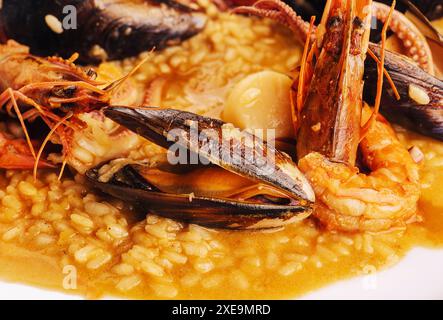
x=355, y=202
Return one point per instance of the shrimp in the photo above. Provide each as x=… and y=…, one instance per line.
x=50, y=88
x=15, y=154
x=352, y=201
x=331, y=113
x=53, y=89
x=347, y=199
x=334, y=125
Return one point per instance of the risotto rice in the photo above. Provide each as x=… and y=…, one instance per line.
x=50, y=224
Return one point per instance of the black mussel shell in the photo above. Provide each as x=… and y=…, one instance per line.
x=208, y=212
x=97, y=30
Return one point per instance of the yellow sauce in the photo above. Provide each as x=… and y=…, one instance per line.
x=283, y=264
x=37, y=268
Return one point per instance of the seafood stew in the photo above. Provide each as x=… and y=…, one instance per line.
x=216, y=145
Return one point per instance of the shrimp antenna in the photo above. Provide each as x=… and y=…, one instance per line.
x=74, y=57
x=381, y=68
x=301, y=78
x=22, y=121
x=53, y=129
x=117, y=83
x=387, y=75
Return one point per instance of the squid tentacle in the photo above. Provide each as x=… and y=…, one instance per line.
x=414, y=41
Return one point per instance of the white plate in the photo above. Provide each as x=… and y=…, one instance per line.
x=417, y=276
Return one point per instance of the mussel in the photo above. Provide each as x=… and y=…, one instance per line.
x=239, y=181
x=97, y=30
x=420, y=107
x=433, y=9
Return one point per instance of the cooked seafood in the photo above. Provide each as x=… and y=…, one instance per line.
x=330, y=117
x=258, y=192
x=15, y=154
x=144, y=187
x=433, y=9
x=98, y=141
x=424, y=116
x=415, y=43
x=420, y=107
x=54, y=90
x=414, y=25
x=331, y=105
x=330, y=133
x=111, y=29
x=348, y=200
x=412, y=39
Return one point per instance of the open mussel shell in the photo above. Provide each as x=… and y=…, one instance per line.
x=208, y=212
x=251, y=214
x=259, y=162
x=97, y=30
x=420, y=107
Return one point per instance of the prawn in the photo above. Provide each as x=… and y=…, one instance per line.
x=353, y=201
x=347, y=199
x=53, y=89
x=334, y=125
